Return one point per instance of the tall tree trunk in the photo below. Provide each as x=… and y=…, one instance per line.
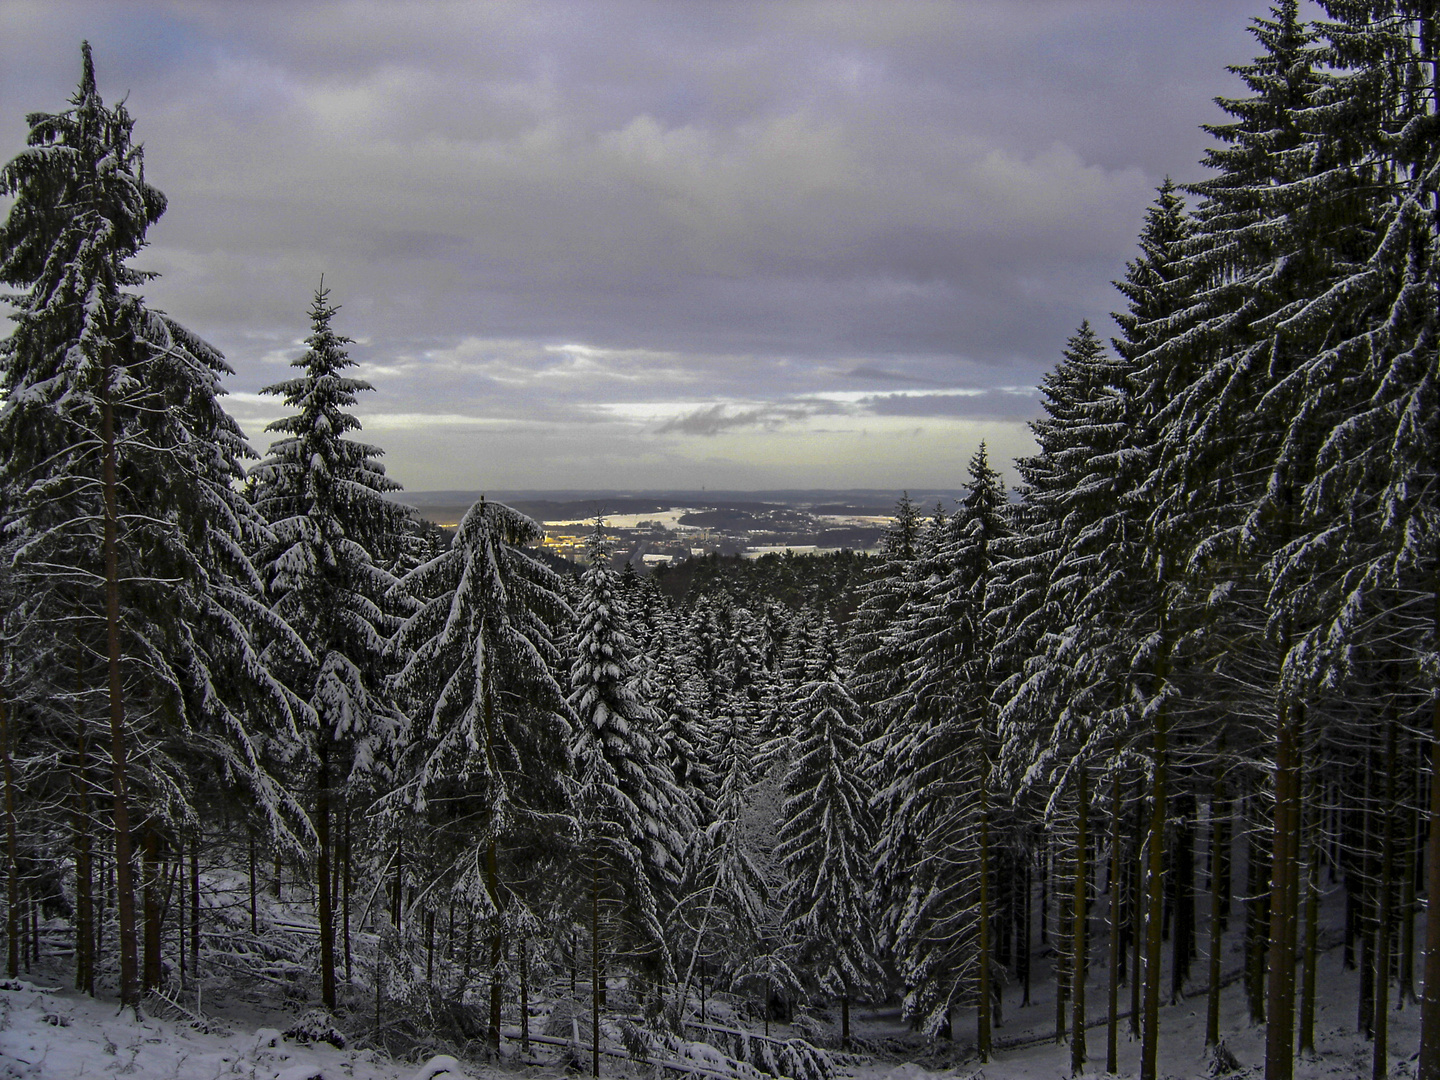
x=595, y=967
x=1112, y=1012
x=1405, y=992
x=1312, y=919
x=1026, y=920
x=346, y=877
x=1081, y=947
x=254, y=908
x=1280, y=991
x=322, y=874
x=1182, y=870
x=152, y=870
x=84, y=860
x=12, y=849
x=1137, y=909
x=983, y=1015
x=124, y=881
x=1257, y=916
x=1155, y=884
x=497, y=944
x=524, y=992
x=1429, y=1065
x=1380, y=1061
x=1064, y=950
x=195, y=904
x=1219, y=807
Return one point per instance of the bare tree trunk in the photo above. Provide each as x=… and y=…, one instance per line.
x=1280, y=991
x=983, y=1016
x=1137, y=911
x=492, y=874
x=322, y=875
x=595, y=967
x=151, y=863
x=1064, y=948
x=1080, y=949
x=195, y=903
x=347, y=879
x=1112, y=1026
x=1026, y=920
x=1380, y=1061
x=524, y=993
x=1219, y=807
x=1312, y=922
x=430, y=946
x=124, y=882
x=1182, y=870
x=1405, y=993
x=1155, y=883
x=254, y=910
x=1429, y=1065
x=12, y=850
x=84, y=856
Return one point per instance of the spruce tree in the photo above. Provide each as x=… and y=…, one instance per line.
x=122, y=470
x=825, y=842
x=486, y=749
x=334, y=532
x=625, y=779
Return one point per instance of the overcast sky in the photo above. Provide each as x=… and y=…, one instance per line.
x=651, y=244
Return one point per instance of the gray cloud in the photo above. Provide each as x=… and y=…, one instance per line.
x=718, y=418
x=530, y=211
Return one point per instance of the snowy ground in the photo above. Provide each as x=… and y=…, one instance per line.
x=50, y=1032
x=256, y=994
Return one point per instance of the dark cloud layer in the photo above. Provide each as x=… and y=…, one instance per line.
x=571, y=238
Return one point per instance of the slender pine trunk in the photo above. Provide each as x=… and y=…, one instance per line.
x=254, y=908
x=124, y=881
x=1219, y=807
x=12, y=850
x=151, y=899
x=1280, y=990
x=1080, y=949
x=1312, y=923
x=195, y=904
x=1150, y=1032
x=1136, y=908
x=1380, y=1060
x=595, y=967
x=983, y=1016
x=1429, y=1064
x=1112, y=1013
x=322, y=874
x=346, y=878
x=497, y=945
x=524, y=993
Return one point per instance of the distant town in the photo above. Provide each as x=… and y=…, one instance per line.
x=661, y=528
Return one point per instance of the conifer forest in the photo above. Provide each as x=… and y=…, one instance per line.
x=1159, y=726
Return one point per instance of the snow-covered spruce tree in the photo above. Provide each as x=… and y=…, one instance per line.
x=483, y=761
x=725, y=913
x=936, y=764
x=1065, y=701
x=334, y=532
x=903, y=810
x=826, y=836
x=122, y=466
x=1371, y=391
x=1158, y=288
x=883, y=594
x=632, y=813
x=1231, y=467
